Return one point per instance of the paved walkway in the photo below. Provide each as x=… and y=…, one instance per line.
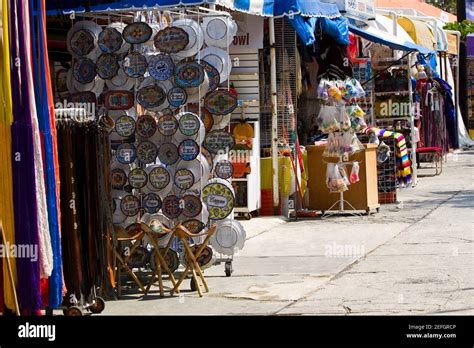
x=416, y=257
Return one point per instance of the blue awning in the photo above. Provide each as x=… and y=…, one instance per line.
x=388, y=39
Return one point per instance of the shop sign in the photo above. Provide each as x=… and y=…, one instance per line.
x=250, y=32
x=358, y=9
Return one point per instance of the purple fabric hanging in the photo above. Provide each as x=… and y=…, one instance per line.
x=24, y=187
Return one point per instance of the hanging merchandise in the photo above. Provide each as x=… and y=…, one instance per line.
x=194, y=34
x=171, y=40
x=146, y=126
x=137, y=33
x=160, y=66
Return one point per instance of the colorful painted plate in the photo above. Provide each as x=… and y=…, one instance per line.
x=168, y=125
x=137, y=33
x=184, y=179
x=147, y=152
x=224, y=169
x=137, y=178
x=107, y=66
x=168, y=153
x=160, y=67
x=189, y=75
x=84, y=70
x=126, y=153
x=159, y=178
x=152, y=203
x=177, y=96
x=212, y=74
x=192, y=206
x=219, y=142
x=219, y=59
x=135, y=64
x=119, y=100
x=125, y=126
x=193, y=225
x=219, y=200
x=130, y=205
x=207, y=119
x=146, y=126
x=188, y=150
x=171, y=207
x=220, y=102
x=88, y=98
x=110, y=40
x=151, y=96
x=189, y=124
x=171, y=40
x=82, y=39
x=118, y=179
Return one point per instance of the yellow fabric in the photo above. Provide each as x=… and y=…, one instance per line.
x=6, y=176
x=284, y=175
x=418, y=31
x=266, y=173
x=304, y=175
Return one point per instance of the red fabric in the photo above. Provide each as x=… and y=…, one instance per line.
x=44, y=288
x=429, y=149
x=352, y=48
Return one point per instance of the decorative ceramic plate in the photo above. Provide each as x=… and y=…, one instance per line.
x=159, y=178
x=212, y=74
x=107, y=66
x=119, y=100
x=219, y=59
x=219, y=141
x=147, y=152
x=135, y=64
x=205, y=260
x=137, y=178
x=118, y=178
x=84, y=70
x=130, y=205
x=220, y=102
x=219, y=31
x=152, y=203
x=171, y=259
x=171, y=207
x=177, y=96
x=110, y=40
x=151, y=96
x=219, y=200
x=230, y=235
x=82, y=42
x=188, y=150
x=184, y=179
x=193, y=225
x=160, y=67
x=120, y=82
x=168, y=153
x=171, y=40
x=224, y=169
x=125, y=126
x=88, y=98
x=126, y=153
x=137, y=33
x=195, y=35
x=168, y=125
x=207, y=119
x=189, y=75
x=208, y=157
x=146, y=126
x=192, y=206
x=189, y=124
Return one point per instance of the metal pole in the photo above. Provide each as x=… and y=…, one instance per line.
x=456, y=92
x=273, y=87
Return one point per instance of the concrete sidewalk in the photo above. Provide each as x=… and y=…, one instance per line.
x=414, y=257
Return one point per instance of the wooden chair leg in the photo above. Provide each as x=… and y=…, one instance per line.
x=198, y=287
x=160, y=279
x=131, y=273
x=181, y=279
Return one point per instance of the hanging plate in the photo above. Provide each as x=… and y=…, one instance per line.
x=118, y=179
x=152, y=203
x=160, y=67
x=84, y=70
x=171, y=207
x=219, y=200
x=193, y=225
x=189, y=124
x=126, y=153
x=135, y=64
x=151, y=96
x=159, y=178
x=120, y=82
x=230, y=235
x=207, y=119
x=167, y=125
x=192, y=206
x=118, y=100
x=212, y=74
x=147, y=152
x=171, y=40
x=137, y=178
x=146, y=126
x=130, y=205
x=184, y=179
x=189, y=75
x=208, y=157
x=125, y=126
x=219, y=59
x=195, y=35
x=82, y=39
x=188, y=150
x=177, y=97
x=107, y=66
x=219, y=142
x=137, y=33
x=110, y=40
x=220, y=102
x=168, y=153
x=224, y=169
x=88, y=98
